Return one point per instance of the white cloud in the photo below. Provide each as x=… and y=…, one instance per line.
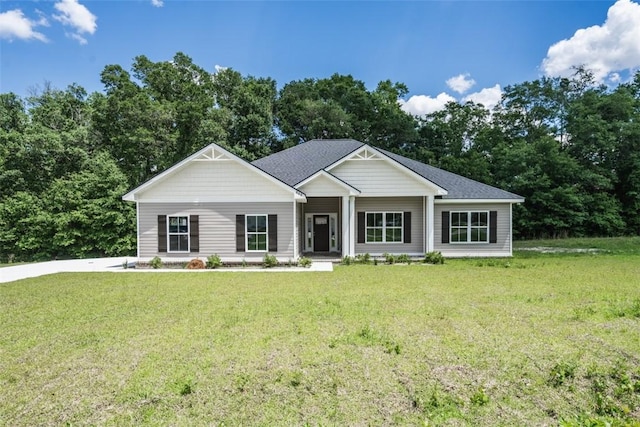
x=419, y=105
x=603, y=49
x=76, y=16
x=489, y=97
x=157, y=3
x=14, y=25
x=77, y=37
x=219, y=68
x=461, y=83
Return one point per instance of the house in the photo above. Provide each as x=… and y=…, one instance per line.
x=339, y=197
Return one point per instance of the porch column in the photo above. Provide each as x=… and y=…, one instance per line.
x=430, y=224
x=345, y=226
x=352, y=225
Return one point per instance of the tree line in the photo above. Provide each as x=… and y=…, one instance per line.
x=570, y=146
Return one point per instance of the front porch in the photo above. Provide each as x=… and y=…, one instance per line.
x=334, y=227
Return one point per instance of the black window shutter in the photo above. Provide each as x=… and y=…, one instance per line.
x=162, y=233
x=239, y=233
x=194, y=233
x=273, y=232
x=407, y=227
x=445, y=227
x=493, y=227
x=361, y=227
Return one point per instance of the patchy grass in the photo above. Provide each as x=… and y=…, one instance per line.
x=612, y=245
x=554, y=341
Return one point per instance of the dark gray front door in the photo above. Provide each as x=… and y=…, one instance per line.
x=321, y=233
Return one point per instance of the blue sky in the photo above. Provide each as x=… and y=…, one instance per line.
x=441, y=50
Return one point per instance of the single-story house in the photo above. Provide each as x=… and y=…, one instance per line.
x=340, y=197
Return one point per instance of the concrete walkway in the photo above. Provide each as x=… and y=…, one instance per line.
x=116, y=265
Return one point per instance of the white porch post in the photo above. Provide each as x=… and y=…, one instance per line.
x=430, y=224
x=296, y=227
x=352, y=225
x=345, y=226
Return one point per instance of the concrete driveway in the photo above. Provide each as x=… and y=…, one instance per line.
x=23, y=271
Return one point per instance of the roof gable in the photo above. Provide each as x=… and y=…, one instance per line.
x=210, y=158
x=376, y=174
x=324, y=184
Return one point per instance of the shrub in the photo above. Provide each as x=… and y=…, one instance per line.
x=363, y=258
x=304, y=262
x=404, y=259
x=195, y=264
x=214, y=261
x=156, y=262
x=346, y=260
x=389, y=258
x=433, y=258
x=269, y=261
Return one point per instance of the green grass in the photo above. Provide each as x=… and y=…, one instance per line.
x=527, y=341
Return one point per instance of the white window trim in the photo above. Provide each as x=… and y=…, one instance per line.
x=188, y=233
x=468, y=241
x=308, y=232
x=384, y=228
x=246, y=233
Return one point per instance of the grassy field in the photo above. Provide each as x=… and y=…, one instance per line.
x=541, y=340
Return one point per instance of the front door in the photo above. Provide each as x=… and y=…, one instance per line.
x=321, y=233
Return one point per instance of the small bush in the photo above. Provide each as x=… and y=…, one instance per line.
x=433, y=258
x=156, y=262
x=363, y=258
x=304, y=262
x=214, y=261
x=346, y=260
x=195, y=264
x=403, y=259
x=269, y=261
x=389, y=258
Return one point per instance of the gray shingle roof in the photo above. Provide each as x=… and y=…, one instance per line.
x=296, y=164
x=457, y=186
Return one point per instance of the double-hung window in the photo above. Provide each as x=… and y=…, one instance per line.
x=383, y=227
x=470, y=227
x=256, y=232
x=178, y=233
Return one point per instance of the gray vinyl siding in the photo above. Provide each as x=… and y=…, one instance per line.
x=501, y=248
x=217, y=229
x=381, y=178
x=393, y=204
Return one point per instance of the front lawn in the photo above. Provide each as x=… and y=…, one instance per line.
x=526, y=341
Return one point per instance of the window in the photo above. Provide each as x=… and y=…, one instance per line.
x=383, y=227
x=178, y=233
x=469, y=227
x=256, y=232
